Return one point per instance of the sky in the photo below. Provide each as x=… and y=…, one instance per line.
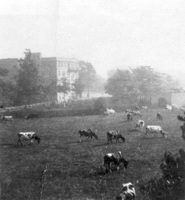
x=110, y=34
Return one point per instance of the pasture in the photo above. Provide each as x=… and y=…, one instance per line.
x=61, y=167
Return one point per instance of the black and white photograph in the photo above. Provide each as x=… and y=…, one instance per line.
x=92, y=100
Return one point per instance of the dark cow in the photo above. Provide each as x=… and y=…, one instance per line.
x=159, y=116
x=129, y=116
x=114, y=158
x=28, y=136
x=183, y=131
x=111, y=135
x=32, y=115
x=87, y=133
x=127, y=192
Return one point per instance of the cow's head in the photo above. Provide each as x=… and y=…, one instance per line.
x=127, y=192
x=38, y=139
x=125, y=162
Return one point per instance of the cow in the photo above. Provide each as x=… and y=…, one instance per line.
x=169, y=107
x=111, y=135
x=140, y=124
x=109, y=111
x=127, y=192
x=129, y=116
x=88, y=133
x=144, y=107
x=116, y=159
x=155, y=129
x=31, y=116
x=7, y=118
x=159, y=116
x=137, y=108
x=183, y=130
x=27, y=136
x=136, y=113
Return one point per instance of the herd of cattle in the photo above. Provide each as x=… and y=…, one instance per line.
x=111, y=161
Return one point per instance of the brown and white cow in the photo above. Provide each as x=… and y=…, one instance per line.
x=27, y=136
x=89, y=133
x=140, y=124
x=6, y=118
x=127, y=192
x=114, y=158
x=159, y=116
x=114, y=135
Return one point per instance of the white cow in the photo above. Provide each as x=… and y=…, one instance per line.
x=109, y=111
x=127, y=192
x=6, y=118
x=169, y=107
x=140, y=124
x=155, y=129
x=29, y=136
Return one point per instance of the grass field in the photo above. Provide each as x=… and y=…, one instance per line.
x=61, y=167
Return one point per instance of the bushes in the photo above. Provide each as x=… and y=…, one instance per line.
x=172, y=183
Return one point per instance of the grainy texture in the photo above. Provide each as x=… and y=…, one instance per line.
x=61, y=167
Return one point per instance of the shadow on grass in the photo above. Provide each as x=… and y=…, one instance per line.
x=133, y=130
x=123, y=121
x=9, y=145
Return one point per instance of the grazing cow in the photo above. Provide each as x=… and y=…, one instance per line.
x=127, y=192
x=159, y=116
x=114, y=158
x=6, y=118
x=87, y=133
x=155, y=129
x=183, y=131
x=111, y=135
x=181, y=118
x=32, y=115
x=28, y=136
x=109, y=111
x=140, y=124
x=169, y=107
x=129, y=116
x=137, y=113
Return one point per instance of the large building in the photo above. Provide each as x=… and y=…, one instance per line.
x=51, y=70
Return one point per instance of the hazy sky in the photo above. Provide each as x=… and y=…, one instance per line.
x=108, y=33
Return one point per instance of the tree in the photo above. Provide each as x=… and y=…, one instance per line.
x=121, y=86
x=7, y=88
x=27, y=80
x=87, y=74
x=78, y=87
x=64, y=87
x=147, y=81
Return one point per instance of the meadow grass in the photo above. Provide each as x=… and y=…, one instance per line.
x=62, y=167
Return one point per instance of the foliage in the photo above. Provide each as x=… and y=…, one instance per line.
x=99, y=105
x=7, y=88
x=136, y=85
x=171, y=185
x=27, y=80
x=64, y=86
x=87, y=74
x=121, y=86
x=78, y=87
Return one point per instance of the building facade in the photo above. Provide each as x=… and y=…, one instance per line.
x=51, y=70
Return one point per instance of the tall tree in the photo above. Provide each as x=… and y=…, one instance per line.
x=87, y=75
x=27, y=80
x=64, y=87
x=147, y=81
x=121, y=86
x=7, y=88
x=78, y=87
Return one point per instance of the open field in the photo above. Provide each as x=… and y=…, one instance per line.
x=63, y=168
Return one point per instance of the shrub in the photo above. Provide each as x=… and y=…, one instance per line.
x=172, y=183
